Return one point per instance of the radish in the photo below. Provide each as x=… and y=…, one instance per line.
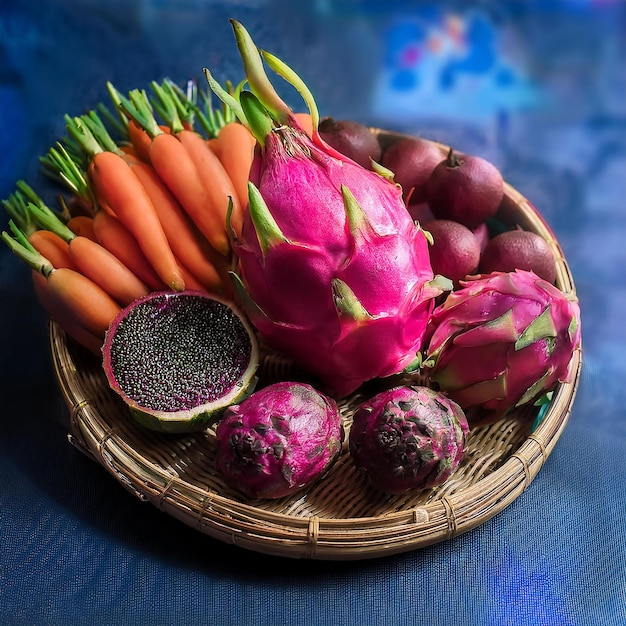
x=466, y=189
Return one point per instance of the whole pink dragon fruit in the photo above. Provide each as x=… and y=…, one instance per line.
x=501, y=341
x=279, y=440
x=333, y=272
x=408, y=438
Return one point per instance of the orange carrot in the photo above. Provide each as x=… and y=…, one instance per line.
x=116, y=238
x=236, y=153
x=64, y=316
x=305, y=120
x=141, y=140
x=190, y=247
x=93, y=308
x=183, y=160
x=117, y=185
x=177, y=169
x=215, y=180
x=92, y=259
x=127, y=150
x=53, y=247
x=185, y=163
x=82, y=225
x=67, y=290
x=215, y=146
x=106, y=270
x=191, y=282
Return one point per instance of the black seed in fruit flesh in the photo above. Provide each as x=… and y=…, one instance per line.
x=174, y=354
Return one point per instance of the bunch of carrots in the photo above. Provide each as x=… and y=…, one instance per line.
x=157, y=191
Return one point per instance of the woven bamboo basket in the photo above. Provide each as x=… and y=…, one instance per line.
x=340, y=517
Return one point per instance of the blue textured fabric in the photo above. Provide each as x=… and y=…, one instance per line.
x=537, y=87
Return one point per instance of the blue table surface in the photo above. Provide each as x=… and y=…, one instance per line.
x=538, y=88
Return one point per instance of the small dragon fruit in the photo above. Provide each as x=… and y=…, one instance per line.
x=501, y=341
x=333, y=272
x=279, y=440
x=408, y=438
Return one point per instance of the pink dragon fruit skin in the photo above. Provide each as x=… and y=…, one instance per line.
x=279, y=440
x=501, y=341
x=333, y=272
x=408, y=438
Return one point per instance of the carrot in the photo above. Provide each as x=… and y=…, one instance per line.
x=193, y=254
x=185, y=163
x=215, y=146
x=190, y=247
x=141, y=140
x=82, y=225
x=68, y=291
x=93, y=260
x=128, y=150
x=236, y=153
x=65, y=317
x=215, y=180
x=177, y=169
x=306, y=122
x=53, y=247
x=105, y=269
x=117, y=185
x=93, y=307
x=116, y=238
x=48, y=244
x=191, y=282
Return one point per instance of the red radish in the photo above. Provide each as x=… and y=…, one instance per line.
x=412, y=160
x=455, y=252
x=519, y=249
x=351, y=139
x=464, y=188
x=420, y=212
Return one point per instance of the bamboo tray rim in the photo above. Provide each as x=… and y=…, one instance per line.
x=316, y=535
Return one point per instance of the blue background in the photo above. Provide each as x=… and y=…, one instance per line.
x=538, y=88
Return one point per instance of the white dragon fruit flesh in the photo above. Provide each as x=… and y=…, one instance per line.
x=501, y=341
x=279, y=440
x=333, y=272
x=408, y=438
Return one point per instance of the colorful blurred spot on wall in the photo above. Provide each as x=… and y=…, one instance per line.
x=440, y=63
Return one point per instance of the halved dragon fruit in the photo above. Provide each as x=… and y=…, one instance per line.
x=501, y=341
x=279, y=440
x=408, y=438
x=178, y=359
x=333, y=272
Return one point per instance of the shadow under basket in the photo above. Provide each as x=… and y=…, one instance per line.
x=340, y=517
